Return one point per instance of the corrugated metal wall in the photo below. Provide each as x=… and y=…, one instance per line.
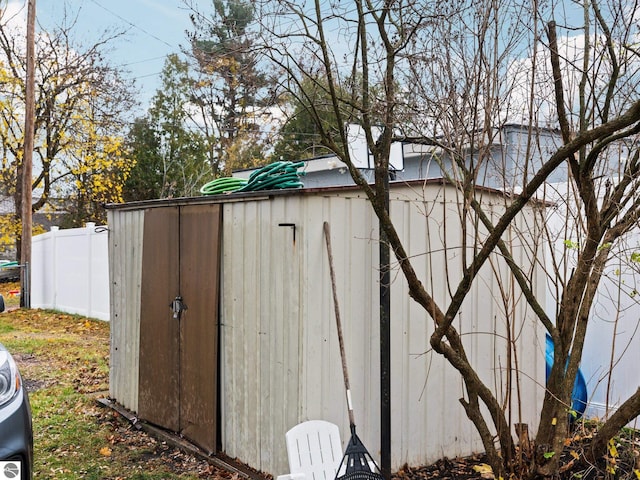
x=280, y=358
x=260, y=332
x=428, y=421
x=125, y=267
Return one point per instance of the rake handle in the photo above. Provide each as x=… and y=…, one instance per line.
x=345, y=373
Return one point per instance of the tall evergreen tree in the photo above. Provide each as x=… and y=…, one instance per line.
x=231, y=87
x=146, y=178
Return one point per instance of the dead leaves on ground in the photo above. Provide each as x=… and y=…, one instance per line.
x=64, y=361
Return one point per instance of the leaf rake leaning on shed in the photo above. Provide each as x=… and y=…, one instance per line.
x=357, y=463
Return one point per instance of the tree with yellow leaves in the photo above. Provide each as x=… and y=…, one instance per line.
x=97, y=166
x=80, y=105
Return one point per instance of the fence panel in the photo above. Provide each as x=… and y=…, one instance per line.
x=70, y=271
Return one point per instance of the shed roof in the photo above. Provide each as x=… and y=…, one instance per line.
x=267, y=194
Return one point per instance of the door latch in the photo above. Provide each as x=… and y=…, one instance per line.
x=177, y=306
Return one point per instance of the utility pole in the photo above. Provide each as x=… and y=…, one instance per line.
x=27, y=160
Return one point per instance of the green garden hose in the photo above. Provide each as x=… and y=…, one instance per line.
x=277, y=175
x=222, y=185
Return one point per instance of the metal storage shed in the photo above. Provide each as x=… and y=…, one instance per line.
x=255, y=352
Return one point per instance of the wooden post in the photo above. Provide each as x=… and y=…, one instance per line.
x=27, y=160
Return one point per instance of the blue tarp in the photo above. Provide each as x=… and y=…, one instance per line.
x=579, y=395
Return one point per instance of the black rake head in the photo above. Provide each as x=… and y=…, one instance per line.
x=357, y=463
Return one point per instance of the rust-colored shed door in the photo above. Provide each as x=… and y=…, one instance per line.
x=179, y=321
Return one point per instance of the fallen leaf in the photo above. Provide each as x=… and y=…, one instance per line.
x=105, y=451
x=613, y=450
x=484, y=470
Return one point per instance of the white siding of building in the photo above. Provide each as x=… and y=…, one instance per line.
x=611, y=352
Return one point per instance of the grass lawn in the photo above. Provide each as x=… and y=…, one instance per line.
x=64, y=361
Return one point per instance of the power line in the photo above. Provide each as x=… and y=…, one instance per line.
x=144, y=60
x=132, y=24
x=146, y=75
x=146, y=32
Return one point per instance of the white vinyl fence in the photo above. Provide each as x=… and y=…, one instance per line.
x=70, y=271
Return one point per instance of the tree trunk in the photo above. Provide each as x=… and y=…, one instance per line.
x=629, y=410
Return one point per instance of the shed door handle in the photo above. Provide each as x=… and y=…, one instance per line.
x=177, y=306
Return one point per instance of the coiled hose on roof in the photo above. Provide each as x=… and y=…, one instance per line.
x=277, y=175
x=222, y=185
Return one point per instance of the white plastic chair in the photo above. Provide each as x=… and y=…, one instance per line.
x=314, y=450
